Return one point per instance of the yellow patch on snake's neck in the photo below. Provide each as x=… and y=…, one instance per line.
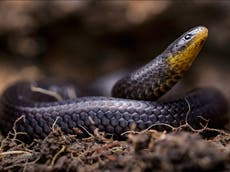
x=181, y=61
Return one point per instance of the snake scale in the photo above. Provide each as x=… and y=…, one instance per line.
x=133, y=102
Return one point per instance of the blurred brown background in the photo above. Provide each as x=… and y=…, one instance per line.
x=82, y=40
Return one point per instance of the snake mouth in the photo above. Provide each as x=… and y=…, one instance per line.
x=200, y=37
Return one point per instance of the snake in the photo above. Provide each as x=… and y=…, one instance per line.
x=134, y=103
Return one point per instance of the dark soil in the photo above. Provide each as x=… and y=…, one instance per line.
x=146, y=151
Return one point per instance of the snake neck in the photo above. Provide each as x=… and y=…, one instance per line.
x=158, y=76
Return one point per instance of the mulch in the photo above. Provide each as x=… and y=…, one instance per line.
x=145, y=151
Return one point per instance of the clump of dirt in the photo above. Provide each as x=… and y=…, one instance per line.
x=146, y=151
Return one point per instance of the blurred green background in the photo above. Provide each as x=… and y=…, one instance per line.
x=82, y=40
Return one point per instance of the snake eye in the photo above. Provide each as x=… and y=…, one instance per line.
x=188, y=36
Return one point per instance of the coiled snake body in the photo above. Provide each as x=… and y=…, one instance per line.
x=133, y=102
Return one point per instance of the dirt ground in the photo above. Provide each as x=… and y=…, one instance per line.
x=145, y=151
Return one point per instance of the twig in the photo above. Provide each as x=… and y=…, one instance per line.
x=71, y=93
x=147, y=129
x=14, y=134
x=55, y=122
x=14, y=152
x=47, y=92
x=56, y=155
x=87, y=131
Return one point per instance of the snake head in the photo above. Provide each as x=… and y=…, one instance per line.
x=183, y=51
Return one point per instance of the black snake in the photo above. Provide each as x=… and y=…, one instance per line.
x=132, y=102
